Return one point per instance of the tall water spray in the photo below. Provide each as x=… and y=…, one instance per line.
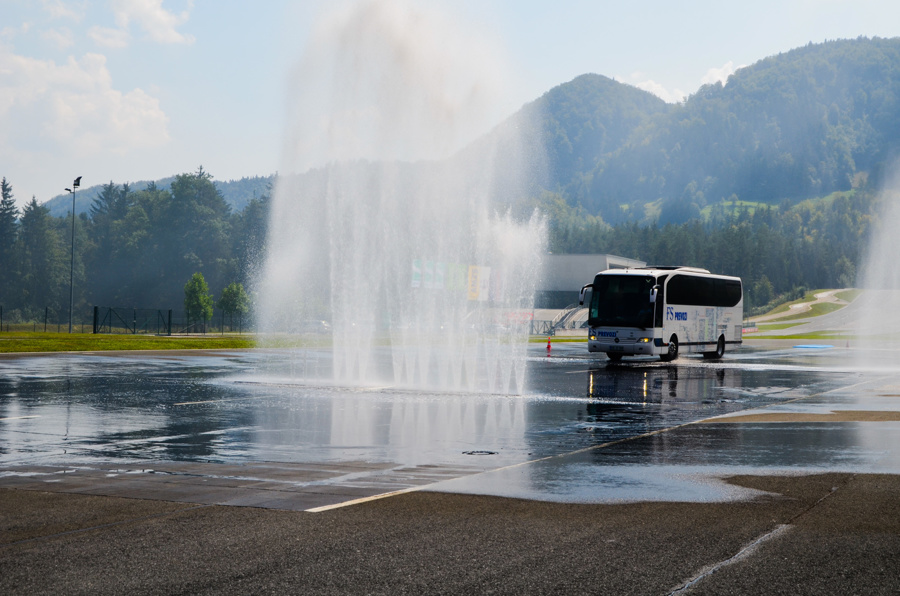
x=409, y=246
x=878, y=325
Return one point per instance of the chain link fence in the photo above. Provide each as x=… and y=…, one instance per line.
x=121, y=320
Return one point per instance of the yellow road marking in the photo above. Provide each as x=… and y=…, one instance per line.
x=363, y=500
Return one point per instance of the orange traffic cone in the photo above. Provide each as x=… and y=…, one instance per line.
x=548, y=345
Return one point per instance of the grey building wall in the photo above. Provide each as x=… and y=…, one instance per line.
x=564, y=275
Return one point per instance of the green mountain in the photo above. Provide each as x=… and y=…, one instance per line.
x=587, y=119
x=801, y=124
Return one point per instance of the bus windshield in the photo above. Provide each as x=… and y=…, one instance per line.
x=621, y=301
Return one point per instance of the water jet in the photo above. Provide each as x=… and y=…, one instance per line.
x=389, y=222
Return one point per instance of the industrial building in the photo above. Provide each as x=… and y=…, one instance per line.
x=564, y=276
x=556, y=309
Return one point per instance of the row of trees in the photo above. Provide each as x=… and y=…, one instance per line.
x=136, y=249
x=133, y=249
x=776, y=250
x=198, y=302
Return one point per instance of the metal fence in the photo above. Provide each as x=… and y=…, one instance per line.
x=51, y=321
x=541, y=327
x=121, y=320
x=109, y=319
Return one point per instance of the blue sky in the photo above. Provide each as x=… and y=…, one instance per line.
x=127, y=90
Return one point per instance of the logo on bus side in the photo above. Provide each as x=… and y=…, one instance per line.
x=671, y=315
x=607, y=334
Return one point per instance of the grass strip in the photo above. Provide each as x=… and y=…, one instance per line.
x=776, y=326
x=786, y=306
x=848, y=295
x=542, y=339
x=89, y=342
x=815, y=310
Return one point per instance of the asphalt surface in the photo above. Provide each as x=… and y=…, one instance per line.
x=822, y=534
x=811, y=451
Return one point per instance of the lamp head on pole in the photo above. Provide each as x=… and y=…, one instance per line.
x=68, y=190
x=77, y=182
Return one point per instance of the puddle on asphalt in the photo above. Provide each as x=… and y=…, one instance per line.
x=246, y=408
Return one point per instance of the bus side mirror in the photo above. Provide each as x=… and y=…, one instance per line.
x=581, y=295
x=653, y=292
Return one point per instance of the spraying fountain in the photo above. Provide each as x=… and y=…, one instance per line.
x=877, y=325
x=389, y=222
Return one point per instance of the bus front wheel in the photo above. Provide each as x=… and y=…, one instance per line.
x=672, y=354
x=614, y=356
x=720, y=350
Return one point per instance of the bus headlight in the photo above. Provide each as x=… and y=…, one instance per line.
x=644, y=340
x=593, y=337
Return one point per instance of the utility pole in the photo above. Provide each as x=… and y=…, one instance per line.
x=72, y=190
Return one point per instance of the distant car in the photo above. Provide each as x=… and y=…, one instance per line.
x=313, y=326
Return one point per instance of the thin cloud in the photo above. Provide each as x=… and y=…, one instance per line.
x=669, y=96
x=108, y=37
x=712, y=76
x=49, y=108
x=719, y=75
x=62, y=38
x=60, y=9
x=159, y=24
x=8, y=34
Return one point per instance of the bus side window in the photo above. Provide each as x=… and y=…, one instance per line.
x=734, y=292
x=681, y=290
x=728, y=292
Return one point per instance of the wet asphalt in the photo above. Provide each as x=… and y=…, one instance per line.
x=121, y=474
x=823, y=534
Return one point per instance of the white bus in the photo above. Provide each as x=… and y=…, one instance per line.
x=663, y=311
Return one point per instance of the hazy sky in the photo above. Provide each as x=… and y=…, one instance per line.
x=127, y=90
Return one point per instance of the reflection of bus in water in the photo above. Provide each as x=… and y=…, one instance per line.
x=695, y=387
x=663, y=311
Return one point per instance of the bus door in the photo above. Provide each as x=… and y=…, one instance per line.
x=660, y=304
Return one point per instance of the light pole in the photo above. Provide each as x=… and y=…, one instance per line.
x=72, y=190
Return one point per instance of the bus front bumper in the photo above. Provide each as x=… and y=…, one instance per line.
x=654, y=347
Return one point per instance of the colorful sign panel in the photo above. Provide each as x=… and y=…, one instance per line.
x=476, y=281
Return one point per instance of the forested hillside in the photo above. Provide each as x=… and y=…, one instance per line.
x=799, y=125
x=237, y=193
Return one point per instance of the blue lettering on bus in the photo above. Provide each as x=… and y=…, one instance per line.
x=673, y=315
x=607, y=334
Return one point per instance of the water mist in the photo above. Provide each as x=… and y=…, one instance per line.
x=383, y=226
x=878, y=326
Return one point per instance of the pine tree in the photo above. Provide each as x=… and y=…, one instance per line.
x=44, y=272
x=9, y=228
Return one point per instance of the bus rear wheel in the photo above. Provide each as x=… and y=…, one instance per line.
x=672, y=354
x=720, y=350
